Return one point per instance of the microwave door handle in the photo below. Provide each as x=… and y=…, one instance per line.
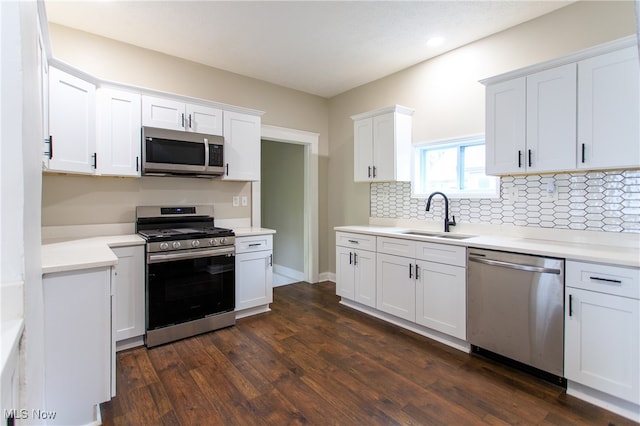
x=206, y=153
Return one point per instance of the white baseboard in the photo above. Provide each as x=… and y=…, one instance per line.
x=288, y=272
x=327, y=276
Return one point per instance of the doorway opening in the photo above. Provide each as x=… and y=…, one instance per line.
x=295, y=243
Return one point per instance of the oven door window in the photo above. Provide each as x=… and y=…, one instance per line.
x=184, y=290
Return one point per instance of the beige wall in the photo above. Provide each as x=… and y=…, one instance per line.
x=446, y=95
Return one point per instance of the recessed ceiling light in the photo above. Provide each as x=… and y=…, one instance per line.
x=435, y=41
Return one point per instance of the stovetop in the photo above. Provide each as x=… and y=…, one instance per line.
x=183, y=233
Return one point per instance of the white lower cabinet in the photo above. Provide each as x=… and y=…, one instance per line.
x=396, y=288
x=602, y=329
x=423, y=284
x=129, y=306
x=441, y=293
x=356, y=275
x=78, y=343
x=254, y=274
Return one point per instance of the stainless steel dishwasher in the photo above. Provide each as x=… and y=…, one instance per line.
x=515, y=308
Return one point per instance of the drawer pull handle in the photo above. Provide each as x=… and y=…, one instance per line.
x=354, y=241
x=608, y=280
x=255, y=244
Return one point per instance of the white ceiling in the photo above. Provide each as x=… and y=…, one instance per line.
x=319, y=47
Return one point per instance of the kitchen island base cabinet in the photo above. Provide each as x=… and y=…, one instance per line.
x=78, y=344
x=602, y=335
x=254, y=274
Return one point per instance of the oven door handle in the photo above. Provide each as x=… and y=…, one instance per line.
x=158, y=258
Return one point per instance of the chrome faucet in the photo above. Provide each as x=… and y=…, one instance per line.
x=447, y=222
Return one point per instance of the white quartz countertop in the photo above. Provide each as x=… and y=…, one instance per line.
x=621, y=255
x=247, y=232
x=71, y=254
x=84, y=253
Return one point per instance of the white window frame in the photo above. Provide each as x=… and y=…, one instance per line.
x=465, y=140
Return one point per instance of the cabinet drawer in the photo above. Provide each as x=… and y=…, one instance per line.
x=616, y=280
x=361, y=241
x=442, y=253
x=397, y=247
x=255, y=243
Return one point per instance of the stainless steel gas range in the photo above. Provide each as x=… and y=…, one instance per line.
x=190, y=272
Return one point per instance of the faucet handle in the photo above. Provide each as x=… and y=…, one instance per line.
x=453, y=222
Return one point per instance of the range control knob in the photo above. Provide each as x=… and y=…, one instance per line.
x=195, y=243
x=176, y=244
x=223, y=240
x=164, y=246
x=212, y=242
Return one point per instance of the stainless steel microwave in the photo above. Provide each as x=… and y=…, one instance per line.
x=178, y=153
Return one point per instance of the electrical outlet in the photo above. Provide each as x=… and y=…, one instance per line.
x=236, y=201
x=245, y=201
x=511, y=194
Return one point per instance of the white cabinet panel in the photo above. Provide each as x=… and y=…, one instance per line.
x=129, y=312
x=241, y=146
x=118, y=133
x=441, y=298
x=551, y=118
x=163, y=113
x=609, y=110
x=345, y=276
x=78, y=342
x=201, y=119
x=505, y=127
x=395, y=284
x=602, y=342
x=72, y=123
x=254, y=279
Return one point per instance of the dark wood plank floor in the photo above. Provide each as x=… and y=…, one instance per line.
x=313, y=361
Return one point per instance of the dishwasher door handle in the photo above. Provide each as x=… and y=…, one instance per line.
x=517, y=266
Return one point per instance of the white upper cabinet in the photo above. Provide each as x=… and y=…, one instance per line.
x=505, y=126
x=72, y=123
x=578, y=112
x=241, y=146
x=175, y=115
x=118, y=133
x=551, y=118
x=382, y=145
x=609, y=110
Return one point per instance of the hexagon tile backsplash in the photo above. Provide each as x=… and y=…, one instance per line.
x=594, y=201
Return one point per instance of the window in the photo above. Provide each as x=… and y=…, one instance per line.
x=455, y=167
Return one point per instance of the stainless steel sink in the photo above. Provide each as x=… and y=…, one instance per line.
x=438, y=235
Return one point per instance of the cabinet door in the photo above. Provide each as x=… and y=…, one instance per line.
x=602, y=342
x=118, y=133
x=384, y=147
x=365, y=277
x=241, y=146
x=202, y=119
x=551, y=120
x=363, y=150
x=254, y=279
x=129, y=312
x=43, y=91
x=345, y=274
x=441, y=298
x=77, y=313
x=395, y=286
x=72, y=123
x=609, y=110
x=163, y=113
x=505, y=127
